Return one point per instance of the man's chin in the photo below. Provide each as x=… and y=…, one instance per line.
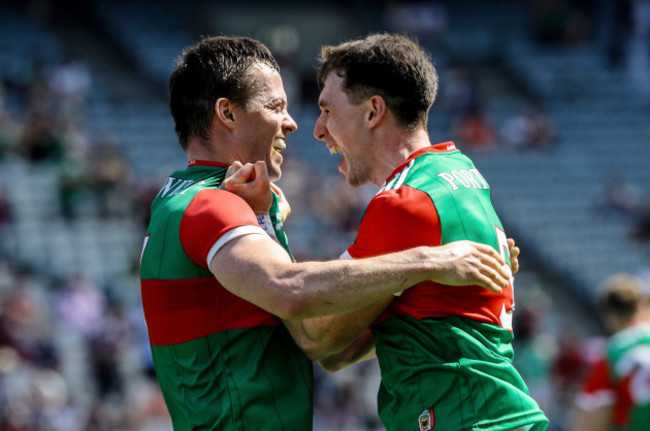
x=274, y=166
x=275, y=173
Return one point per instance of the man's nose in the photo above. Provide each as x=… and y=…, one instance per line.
x=290, y=124
x=320, y=131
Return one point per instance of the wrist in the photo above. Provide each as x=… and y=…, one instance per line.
x=423, y=267
x=432, y=265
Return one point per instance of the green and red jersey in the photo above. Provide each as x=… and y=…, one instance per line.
x=621, y=379
x=222, y=362
x=445, y=352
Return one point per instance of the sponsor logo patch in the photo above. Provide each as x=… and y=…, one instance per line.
x=426, y=420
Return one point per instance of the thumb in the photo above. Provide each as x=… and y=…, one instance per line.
x=260, y=173
x=232, y=169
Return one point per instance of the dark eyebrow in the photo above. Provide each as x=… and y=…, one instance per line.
x=276, y=101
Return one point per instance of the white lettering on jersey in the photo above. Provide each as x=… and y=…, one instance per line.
x=468, y=178
x=173, y=186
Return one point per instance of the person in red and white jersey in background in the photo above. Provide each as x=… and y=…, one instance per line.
x=616, y=391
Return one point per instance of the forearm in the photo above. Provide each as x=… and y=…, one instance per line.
x=345, y=286
x=324, y=336
x=362, y=349
x=258, y=270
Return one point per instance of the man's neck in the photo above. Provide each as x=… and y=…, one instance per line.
x=396, y=150
x=204, y=151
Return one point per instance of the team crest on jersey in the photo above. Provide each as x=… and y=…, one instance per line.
x=426, y=420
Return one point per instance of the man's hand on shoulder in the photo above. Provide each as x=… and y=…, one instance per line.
x=464, y=263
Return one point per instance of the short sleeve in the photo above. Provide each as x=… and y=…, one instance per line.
x=209, y=217
x=397, y=220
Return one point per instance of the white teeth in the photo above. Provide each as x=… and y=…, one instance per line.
x=279, y=145
x=334, y=150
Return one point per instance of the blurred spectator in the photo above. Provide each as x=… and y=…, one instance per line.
x=615, y=391
x=80, y=305
x=547, y=18
x=5, y=207
x=566, y=370
x=25, y=325
x=144, y=195
x=106, y=347
x=461, y=94
x=9, y=127
x=40, y=141
x=346, y=400
x=110, y=177
x=71, y=184
x=424, y=19
x=616, y=18
x=71, y=82
x=284, y=41
x=621, y=196
x=474, y=132
x=567, y=22
x=532, y=129
x=471, y=127
x=639, y=46
x=339, y=204
x=624, y=198
x=641, y=232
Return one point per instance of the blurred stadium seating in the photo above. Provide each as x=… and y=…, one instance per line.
x=552, y=200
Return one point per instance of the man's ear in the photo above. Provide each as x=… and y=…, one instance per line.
x=224, y=111
x=376, y=111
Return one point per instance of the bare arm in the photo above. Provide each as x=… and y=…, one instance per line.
x=362, y=349
x=256, y=268
x=326, y=336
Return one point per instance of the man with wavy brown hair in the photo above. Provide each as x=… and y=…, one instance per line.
x=445, y=355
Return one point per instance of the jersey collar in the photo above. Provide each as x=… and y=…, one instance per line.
x=206, y=163
x=443, y=147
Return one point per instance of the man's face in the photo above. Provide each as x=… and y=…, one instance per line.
x=266, y=121
x=342, y=127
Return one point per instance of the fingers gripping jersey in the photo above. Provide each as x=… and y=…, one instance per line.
x=445, y=352
x=222, y=362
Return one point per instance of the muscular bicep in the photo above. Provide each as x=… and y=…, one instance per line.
x=246, y=266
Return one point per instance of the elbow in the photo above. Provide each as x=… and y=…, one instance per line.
x=314, y=354
x=294, y=302
x=331, y=366
x=315, y=350
x=292, y=307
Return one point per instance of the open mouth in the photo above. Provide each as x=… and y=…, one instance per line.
x=279, y=145
x=333, y=148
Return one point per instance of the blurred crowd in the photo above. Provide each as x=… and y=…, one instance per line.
x=74, y=354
